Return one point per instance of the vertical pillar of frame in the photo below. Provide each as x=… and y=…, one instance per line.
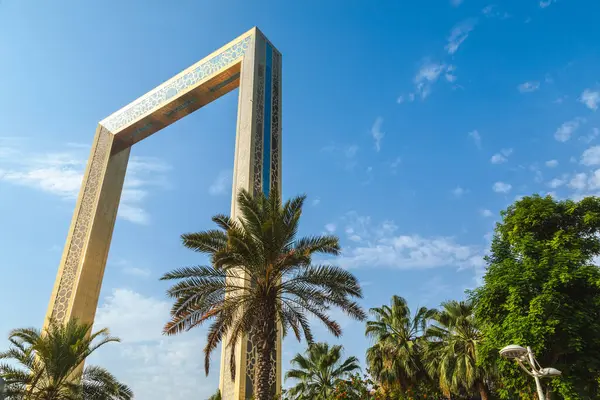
x=257, y=168
x=79, y=279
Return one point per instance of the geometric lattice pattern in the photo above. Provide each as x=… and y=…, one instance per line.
x=249, y=62
x=83, y=221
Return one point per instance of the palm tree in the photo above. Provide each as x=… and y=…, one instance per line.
x=216, y=396
x=261, y=276
x=453, y=339
x=395, y=358
x=319, y=371
x=48, y=366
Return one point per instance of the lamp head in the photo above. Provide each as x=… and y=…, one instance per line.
x=513, y=351
x=550, y=372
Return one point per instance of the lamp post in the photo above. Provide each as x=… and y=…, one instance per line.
x=524, y=355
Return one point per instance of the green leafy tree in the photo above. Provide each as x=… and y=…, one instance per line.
x=542, y=289
x=48, y=366
x=319, y=371
x=355, y=387
x=268, y=276
x=395, y=359
x=452, y=350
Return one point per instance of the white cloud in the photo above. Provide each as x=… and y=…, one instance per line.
x=591, y=156
x=346, y=154
x=316, y=201
x=476, y=138
x=138, y=272
x=528, y=87
x=501, y=187
x=428, y=74
x=546, y=3
x=351, y=151
x=221, y=183
x=377, y=133
x=592, y=135
x=386, y=248
x=330, y=227
x=566, y=130
x=395, y=164
x=152, y=364
x=458, y=192
x=551, y=163
x=133, y=317
x=61, y=173
x=501, y=157
x=590, y=98
x=486, y=213
x=578, y=182
x=459, y=34
x=450, y=76
x=594, y=180
x=557, y=182
x=456, y=3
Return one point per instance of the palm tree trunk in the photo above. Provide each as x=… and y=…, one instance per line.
x=267, y=339
x=483, y=390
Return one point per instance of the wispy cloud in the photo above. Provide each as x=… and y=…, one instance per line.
x=591, y=156
x=491, y=11
x=221, y=183
x=458, y=192
x=501, y=187
x=152, y=364
x=428, y=74
x=346, y=154
x=567, y=129
x=459, y=34
x=316, y=201
x=60, y=174
x=546, y=3
x=590, y=98
x=594, y=132
x=330, y=227
x=382, y=245
x=403, y=98
x=486, y=213
x=551, y=163
x=476, y=138
x=377, y=133
x=395, y=164
x=456, y=3
x=578, y=181
x=501, y=157
x=557, y=182
x=528, y=87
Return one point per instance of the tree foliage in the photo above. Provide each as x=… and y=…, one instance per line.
x=542, y=289
x=268, y=276
x=451, y=351
x=319, y=371
x=48, y=366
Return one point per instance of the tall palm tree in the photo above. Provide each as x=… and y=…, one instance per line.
x=319, y=371
x=395, y=358
x=261, y=276
x=48, y=366
x=216, y=396
x=453, y=339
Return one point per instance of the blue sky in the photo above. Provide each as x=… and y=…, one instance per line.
x=410, y=125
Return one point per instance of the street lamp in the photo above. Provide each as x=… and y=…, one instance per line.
x=521, y=355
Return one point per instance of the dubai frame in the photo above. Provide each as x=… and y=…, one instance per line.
x=249, y=62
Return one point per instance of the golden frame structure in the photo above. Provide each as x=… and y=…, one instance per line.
x=249, y=62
